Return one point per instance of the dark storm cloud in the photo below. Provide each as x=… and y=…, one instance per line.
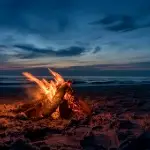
x=33, y=52
x=120, y=23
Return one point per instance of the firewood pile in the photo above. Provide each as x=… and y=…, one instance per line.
x=58, y=100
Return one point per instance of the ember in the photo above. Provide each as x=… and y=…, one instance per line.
x=57, y=99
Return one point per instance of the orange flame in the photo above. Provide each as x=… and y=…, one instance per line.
x=49, y=88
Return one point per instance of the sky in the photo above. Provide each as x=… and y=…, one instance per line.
x=75, y=34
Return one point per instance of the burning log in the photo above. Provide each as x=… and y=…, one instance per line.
x=30, y=109
x=35, y=111
x=58, y=99
x=39, y=108
x=65, y=111
x=24, y=107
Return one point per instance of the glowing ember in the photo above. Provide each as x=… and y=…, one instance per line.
x=50, y=91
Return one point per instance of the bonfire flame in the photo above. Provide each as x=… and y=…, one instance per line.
x=49, y=89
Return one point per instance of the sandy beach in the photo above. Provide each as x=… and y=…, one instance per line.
x=120, y=120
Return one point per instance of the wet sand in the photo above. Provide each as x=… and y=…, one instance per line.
x=120, y=120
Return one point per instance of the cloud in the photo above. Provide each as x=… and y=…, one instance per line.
x=107, y=20
x=30, y=51
x=71, y=51
x=52, y=31
x=97, y=49
x=4, y=55
x=125, y=66
x=127, y=69
x=126, y=23
x=3, y=46
x=120, y=23
x=36, y=16
x=3, y=58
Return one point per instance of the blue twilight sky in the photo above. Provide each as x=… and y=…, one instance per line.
x=96, y=34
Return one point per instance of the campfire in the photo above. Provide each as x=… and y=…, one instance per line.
x=56, y=100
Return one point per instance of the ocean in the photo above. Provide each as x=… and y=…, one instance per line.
x=18, y=81
x=14, y=87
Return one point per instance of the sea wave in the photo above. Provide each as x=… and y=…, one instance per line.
x=77, y=81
